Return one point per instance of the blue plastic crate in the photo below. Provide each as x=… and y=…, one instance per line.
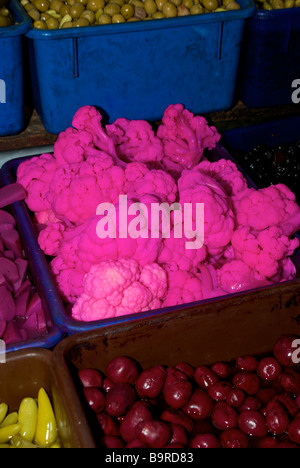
x=11, y=71
x=135, y=70
x=270, y=58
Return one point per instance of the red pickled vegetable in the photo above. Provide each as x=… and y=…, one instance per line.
x=252, y=423
x=233, y=439
x=150, y=382
x=138, y=413
x=224, y=416
x=108, y=424
x=95, y=398
x=221, y=369
x=119, y=399
x=7, y=304
x=294, y=431
x=111, y=442
x=178, y=393
x=177, y=417
x=204, y=441
x=235, y=397
x=268, y=368
x=250, y=403
x=277, y=421
x=178, y=435
x=199, y=406
x=90, y=378
x=247, y=381
x=289, y=380
x=246, y=363
x=205, y=377
x=283, y=350
x=122, y=369
x=219, y=391
x=154, y=434
x=186, y=368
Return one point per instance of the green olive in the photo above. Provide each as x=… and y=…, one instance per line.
x=182, y=10
x=210, y=5
x=65, y=10
x=176, y=2
x=76, y=10
x=42, y=5
x=158, y=15
x=277, y=4
x=136, y=3
x=81, y=22
x=70, y=2
x=150, y=7
x=127, y=10
x=104, y=19
x=197, y=10
x=119, y=2
x=98, y=14
x=52, y=23
x=40, y=25
x=297, y=3
x=160, y=4
x=56, y=5
x=34, y=14
x=112, y=9
x=118, y=18
x=95, y=5
x=5, y=21
x=188, y=3
x=67, y=24
x=133, y=19
x=233, y=6
x=89, y=15
x=169, y=10
x=44, y=17
x=84, y=2
x=289, y=4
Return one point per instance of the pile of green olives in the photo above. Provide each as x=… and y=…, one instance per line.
x=61, y=14
x=277, y=4
x=6, y=18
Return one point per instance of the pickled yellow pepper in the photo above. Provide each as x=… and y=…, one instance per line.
x=46, y=429
x=28, y=413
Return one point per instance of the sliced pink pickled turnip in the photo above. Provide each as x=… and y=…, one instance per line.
x=12, y=242
x=9, y=270
x=11, y=194
x=7, y=304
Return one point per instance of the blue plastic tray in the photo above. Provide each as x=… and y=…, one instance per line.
x=270, y=58
x=11, y=72
x=40, y=276
x=135, y=70
x=49, y=290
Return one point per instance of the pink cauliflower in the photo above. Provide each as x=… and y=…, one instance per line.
x=79, y=188
x=219, y=220
x=117, y=288
x=183, y=288
x=71, y=146
x=142, y=181
x=226, y=173
x=135, y=141
x=262, y=208
x=236, y=276
x=35, y=175
x=185, y=137
x=175, y=256
x=88, y=119
x=262, y=251
x=69, y=281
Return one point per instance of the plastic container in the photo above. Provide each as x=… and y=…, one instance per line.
x=270, y=133
x=219, y=332
x=24, y=373
x=64, y=320
x=135, y=70
x=11, y=72
x=270, y=58
x=40, y=278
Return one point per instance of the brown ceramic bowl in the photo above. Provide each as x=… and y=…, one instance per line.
x=24, y=373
